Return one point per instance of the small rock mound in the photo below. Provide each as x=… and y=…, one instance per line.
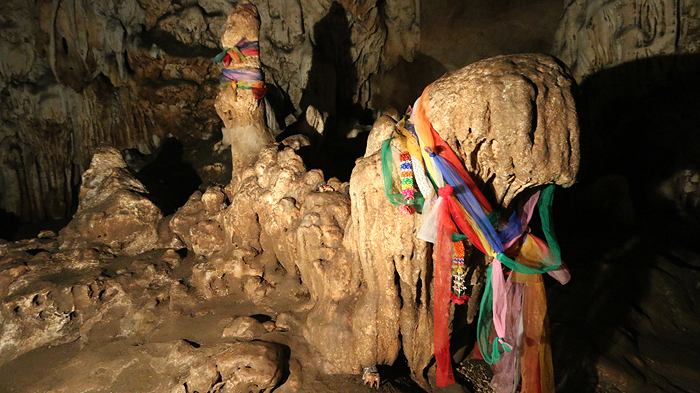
x=113, y=210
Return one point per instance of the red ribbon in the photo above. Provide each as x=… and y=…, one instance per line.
x=443, y=281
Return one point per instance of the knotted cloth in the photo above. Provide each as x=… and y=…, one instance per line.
x=238, y=76
x=505, y=305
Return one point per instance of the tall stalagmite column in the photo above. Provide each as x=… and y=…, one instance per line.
x=239, y=103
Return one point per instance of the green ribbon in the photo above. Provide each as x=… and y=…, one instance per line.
x=396, y=199
x=485, y=323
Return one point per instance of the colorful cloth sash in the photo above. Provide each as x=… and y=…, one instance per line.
x=238, y=76
x=461, y=208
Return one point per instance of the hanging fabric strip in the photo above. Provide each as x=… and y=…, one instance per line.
x=561, y=273
x=396, y=199
x=425, y=137
x=512, y=314
x=500, y=303
x=534, y=312
x=490, y=352
x=441, y=302
x=470, y=203
x=445, y=151
x=507, y=371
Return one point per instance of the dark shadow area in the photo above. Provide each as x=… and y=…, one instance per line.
x=32, y=230
x=330, y=89
x=168, y=179
x=9, y=224
x=12, y=228
x=630, y=312
x=174, y=47
x=280, y=101
x=401, y=86
x=398, y=375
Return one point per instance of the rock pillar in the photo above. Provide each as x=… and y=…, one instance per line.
x=239, y=103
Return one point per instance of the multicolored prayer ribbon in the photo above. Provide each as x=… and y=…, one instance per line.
x=238, y=76
x=462, y=208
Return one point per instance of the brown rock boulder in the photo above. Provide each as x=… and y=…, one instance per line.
x=197, y=223
x=254, y=366
x=113, y=210
x=513, y=121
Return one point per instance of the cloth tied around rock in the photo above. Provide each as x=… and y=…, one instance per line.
x=238, y=76
x=461, y=208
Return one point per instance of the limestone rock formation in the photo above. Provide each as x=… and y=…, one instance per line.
x=113, y=209
x=75, y=75
x=594, y=36
x=242, y=110
x=338, y=264
x=513, y=120
x=397, y=271
x=82, y=296
x=197, y=223
x=255, y=366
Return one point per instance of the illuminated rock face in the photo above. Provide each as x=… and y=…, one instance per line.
x=593, y=36
x=338, y=260
x=113, y=209
x=77, y=74
x=513, y=121
x=242, y=111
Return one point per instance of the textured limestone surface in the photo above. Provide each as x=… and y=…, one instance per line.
x=512, y=119
x=336, y=263
x=242, y=113
x=113, y=209
x=77, y=74
x=268, y=297
x=593, y=36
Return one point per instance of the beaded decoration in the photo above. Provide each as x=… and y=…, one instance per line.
x=459, y=274
x=406, y=176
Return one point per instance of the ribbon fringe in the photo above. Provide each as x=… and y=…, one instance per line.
x=512, y=326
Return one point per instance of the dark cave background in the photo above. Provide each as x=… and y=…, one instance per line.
x=630, y=318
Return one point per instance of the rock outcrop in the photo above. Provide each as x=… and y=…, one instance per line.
x=113, y=209
x=593, y=36
x=340, y=257
x=513, y=121
x=75, y=75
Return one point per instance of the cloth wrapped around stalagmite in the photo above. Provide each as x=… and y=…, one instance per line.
x=511, y=330
x=237, y=75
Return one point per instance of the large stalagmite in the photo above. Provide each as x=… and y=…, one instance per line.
x=336, y=264
x=239, y=103
x=512, y=120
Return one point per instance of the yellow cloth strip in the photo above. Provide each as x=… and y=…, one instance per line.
x=425, y=136
x=482, y=238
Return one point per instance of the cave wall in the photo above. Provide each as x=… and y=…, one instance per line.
x=593, y=36
x=628, y=320
x=77, y=74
